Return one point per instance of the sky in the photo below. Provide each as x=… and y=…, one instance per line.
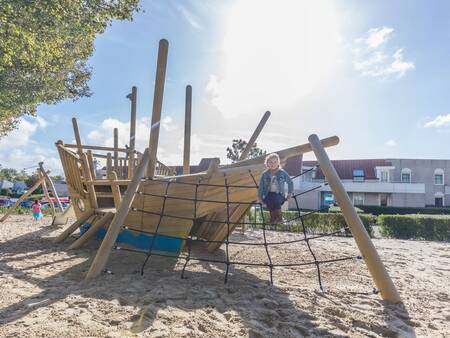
x=374, y=73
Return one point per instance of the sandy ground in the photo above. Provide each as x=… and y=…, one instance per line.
x=43, y=294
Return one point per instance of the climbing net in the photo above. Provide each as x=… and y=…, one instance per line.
x=257, y=221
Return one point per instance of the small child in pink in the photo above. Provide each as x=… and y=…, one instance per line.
x=36, y=209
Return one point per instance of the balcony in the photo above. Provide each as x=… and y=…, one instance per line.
x=372, y=186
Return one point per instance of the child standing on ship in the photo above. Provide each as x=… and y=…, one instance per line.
x=271, y=188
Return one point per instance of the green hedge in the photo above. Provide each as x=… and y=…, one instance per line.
x=315, y=223
x=427, y=227
x=25, y=211
x=378, y=210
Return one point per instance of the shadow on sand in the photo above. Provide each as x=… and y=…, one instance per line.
x=264, y=310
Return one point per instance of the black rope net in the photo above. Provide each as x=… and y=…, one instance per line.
x=275, y=249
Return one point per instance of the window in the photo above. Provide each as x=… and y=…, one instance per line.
x=358, y=175
x=384, y=200
x=384, y=176
x=439, y=177
x=358, y=199
x=406, y=175
x=439, y=199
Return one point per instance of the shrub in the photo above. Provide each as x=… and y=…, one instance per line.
x=315, y=223
x=378, y=210
x=427, y=227
x=24, y=211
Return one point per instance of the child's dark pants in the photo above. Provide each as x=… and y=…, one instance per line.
x=274, y=201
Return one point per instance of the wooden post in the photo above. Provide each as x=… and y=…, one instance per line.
x=90, y=186
x=115, y=190
x=116, y=224
x=255, y=135
x=45, y=191
x=376, y=268
x=187, y=131
x=108, y=164
x=116, y=153
x=51, y=185
x=133, y=98
x=76, y=131
x=157, y=104
x=28, y=193
x=91, y=163
x=66, y=233
x=92, y=230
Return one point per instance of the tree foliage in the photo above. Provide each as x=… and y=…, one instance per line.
x=238, y=146
x=12, y=175
x=44, y=47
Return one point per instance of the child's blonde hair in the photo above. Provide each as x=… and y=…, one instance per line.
x=270, y=156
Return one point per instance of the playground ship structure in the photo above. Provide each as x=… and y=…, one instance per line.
x=143, y=203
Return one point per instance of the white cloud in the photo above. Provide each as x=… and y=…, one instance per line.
x=19, y=150
x=189, y=17
x=373, y=57
x=274, y=54
x=391, y=143
x=377, y=36
x=438, y=121
x=167, y=123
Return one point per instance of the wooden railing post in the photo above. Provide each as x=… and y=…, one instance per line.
x=103, y=252
x=255, y=135
x=133, y=98
x=369, y=253
x=187, y=131
x=157, y=104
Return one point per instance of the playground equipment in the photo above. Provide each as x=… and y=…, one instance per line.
x=140, y=201
x=60, y=216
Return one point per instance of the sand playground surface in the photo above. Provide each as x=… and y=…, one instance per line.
x=43, y=294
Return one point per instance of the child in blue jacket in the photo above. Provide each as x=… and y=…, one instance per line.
x=271, y=190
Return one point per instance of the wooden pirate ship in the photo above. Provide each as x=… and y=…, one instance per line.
x=140, y=201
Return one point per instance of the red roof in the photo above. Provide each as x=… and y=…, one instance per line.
x=345, y=168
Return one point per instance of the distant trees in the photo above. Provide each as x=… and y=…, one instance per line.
x=10, y=174
x=238, y=146
x=44, y=47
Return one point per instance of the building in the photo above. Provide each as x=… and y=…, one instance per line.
x=19, y=187
x=5, y=184
x=380, y=182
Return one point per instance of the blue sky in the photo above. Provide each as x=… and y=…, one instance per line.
x=374, y=73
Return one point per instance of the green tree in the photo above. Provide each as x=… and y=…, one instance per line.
x=238, y=146
x=44, y=47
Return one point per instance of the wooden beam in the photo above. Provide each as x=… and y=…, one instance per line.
x=95, y=226
x=76, y=131
x=284, y=154
x=369, y=253
x=133, y=99
x=103, y=252
x=116, y=153
x=108, y=164
x=83, y=146
x=51, y=186
x=28, y=193
x=90, y=187
x=91, y=164
x=255, y=135
x=157, y=104
x=45, y=191
x=66, y=233
x=95, y=155
x=187, y=131
x=115, y=190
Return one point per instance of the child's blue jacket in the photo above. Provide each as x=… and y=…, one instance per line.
x=282, y=178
